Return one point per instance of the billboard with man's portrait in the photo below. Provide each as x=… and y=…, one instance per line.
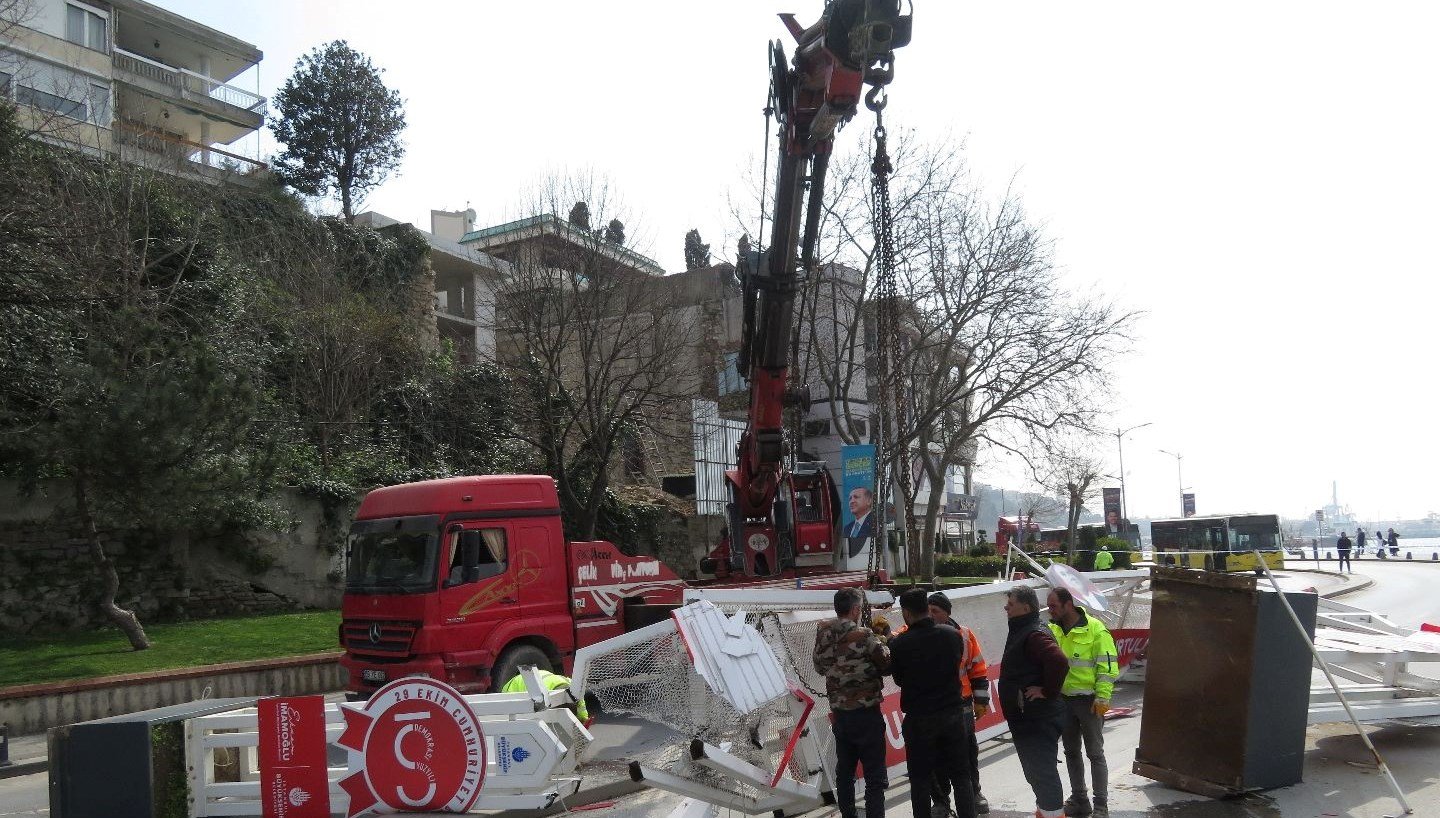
x=857, y=504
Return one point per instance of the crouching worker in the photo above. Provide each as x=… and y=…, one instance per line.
x=551, y=681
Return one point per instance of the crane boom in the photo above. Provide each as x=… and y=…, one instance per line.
x=851, y=47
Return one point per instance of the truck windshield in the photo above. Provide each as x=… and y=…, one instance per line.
x=393, y=556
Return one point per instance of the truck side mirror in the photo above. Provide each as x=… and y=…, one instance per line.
x=470, y=542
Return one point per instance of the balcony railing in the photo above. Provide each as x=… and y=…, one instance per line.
x=174, y=148
x=185, y=80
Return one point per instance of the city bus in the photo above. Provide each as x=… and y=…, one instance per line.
x=1224, y=543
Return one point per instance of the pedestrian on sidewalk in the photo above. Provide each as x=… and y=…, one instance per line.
x=1032, y=671
x=1342, y=551
x=853, y=661
x=1393, y=540
x=1360, y=542
x=925, y=661
x=1088, y=687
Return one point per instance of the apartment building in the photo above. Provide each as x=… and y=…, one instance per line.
x=465, y=281
x=129, y=78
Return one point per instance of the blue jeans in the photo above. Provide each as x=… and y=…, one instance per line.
x=860, y=737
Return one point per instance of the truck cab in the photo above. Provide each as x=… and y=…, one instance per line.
x=465, y=579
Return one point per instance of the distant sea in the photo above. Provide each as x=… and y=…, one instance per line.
x=1428, y=545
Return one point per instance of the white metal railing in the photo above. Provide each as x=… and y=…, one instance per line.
x=185, y=79
x=136, y=64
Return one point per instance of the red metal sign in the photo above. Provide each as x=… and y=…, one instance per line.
x=293, y=775
x=604, y=575
x=422, y=747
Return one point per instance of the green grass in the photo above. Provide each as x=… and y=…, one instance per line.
x=58, y=657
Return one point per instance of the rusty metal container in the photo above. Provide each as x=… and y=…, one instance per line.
x=1227, y=685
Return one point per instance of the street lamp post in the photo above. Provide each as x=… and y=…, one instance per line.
x=1120, y=444
x=1179, y=478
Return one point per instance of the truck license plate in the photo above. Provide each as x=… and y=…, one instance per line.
x=373, y=675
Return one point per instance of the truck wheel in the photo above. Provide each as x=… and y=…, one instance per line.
x=512, y=660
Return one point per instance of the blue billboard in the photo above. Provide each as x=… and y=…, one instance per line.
x=858, y=503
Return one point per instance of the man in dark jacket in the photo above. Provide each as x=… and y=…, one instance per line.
x=1342, y=550
x=853, y=659
x=925, y=661
x=975, y=700
x=1032, y=671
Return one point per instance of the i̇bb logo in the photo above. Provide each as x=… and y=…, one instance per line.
x=422, y=748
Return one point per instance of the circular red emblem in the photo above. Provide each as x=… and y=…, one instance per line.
x=424, y=749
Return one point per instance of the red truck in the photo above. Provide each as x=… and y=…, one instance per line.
x=466, y=579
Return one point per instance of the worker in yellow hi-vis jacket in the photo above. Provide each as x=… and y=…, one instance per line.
x=551, y=681
x=1090, y=650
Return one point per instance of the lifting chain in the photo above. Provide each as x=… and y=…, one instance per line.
x=891, y=416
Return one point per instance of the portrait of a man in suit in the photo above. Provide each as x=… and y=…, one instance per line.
x=862, y=528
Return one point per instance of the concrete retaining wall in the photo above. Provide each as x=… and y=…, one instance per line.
x=35, y=708
x=49, y=582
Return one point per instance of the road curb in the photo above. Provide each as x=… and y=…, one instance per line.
x=1349, y=589
x=20, y=768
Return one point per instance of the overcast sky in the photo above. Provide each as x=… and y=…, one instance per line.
x=1259, y=178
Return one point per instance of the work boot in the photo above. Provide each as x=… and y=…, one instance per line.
x=1077, y=806
x=982, y=806
x=1102, y=809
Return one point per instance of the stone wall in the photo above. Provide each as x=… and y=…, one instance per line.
x=49, y=582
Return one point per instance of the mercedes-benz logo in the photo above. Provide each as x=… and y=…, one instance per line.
x=375, y=633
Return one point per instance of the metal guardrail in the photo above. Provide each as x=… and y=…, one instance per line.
x=185, y=80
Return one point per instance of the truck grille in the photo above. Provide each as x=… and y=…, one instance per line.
x=375, y=636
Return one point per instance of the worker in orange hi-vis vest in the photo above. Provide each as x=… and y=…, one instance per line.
x=975, y=688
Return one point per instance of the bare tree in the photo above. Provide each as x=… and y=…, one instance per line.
x=599, y=346
x=1066, y=462
x=990, y=344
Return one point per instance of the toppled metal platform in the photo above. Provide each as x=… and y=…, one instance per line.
x=1373, y=655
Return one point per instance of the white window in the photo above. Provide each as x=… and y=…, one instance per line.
x=99, y=104
x=45, y=101
x=728, y=380
x=87, y=27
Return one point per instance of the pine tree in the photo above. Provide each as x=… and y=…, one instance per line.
x=697, y=253
x=580, y=215
x=615, y=232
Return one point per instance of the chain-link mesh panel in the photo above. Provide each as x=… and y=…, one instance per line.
x=656, y=680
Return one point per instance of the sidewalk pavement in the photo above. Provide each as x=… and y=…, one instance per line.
x=27, y=756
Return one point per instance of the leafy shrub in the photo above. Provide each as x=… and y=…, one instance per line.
x=967, y=566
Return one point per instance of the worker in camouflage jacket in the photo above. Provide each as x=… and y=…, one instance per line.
x=854, y=661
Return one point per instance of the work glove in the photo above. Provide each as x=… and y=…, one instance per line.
x=1100, y=707
x=981, y=710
